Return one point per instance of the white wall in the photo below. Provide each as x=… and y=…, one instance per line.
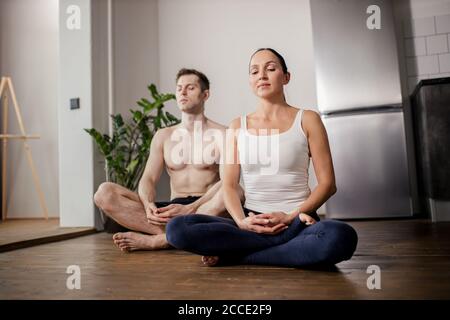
x=218, y=37
x=29, y=54
x=136, y=60
x=100, y=90
x=75, y=146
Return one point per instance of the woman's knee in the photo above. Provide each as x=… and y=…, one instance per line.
x=177, y=233
x=341, y=241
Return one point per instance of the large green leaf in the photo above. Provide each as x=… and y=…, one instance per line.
x=127, y=150
x=154, y=92
x=132, y=165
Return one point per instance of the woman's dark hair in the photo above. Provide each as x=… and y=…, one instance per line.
x=279, y=56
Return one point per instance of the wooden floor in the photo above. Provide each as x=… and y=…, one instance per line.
x=414, y=257
x=21, y=233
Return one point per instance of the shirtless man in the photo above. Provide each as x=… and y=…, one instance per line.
x=195, y=183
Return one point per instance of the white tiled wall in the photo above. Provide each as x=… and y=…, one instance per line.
x=427, y=48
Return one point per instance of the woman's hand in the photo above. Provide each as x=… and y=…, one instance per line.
x=308, y=220
x=261, y=224
x=286, y=219
x=275, y=218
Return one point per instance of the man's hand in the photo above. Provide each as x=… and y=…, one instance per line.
x=174, y=210
x=259, y=224
x=152, y=215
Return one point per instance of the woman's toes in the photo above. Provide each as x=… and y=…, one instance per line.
x=210, y=260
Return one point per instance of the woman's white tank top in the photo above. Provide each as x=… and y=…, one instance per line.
x=274, y=168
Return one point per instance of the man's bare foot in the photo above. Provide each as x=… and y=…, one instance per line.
x=210, y=261
x=132, y=241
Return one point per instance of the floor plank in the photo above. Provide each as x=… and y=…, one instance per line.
x=414, y=257
x=22, y=233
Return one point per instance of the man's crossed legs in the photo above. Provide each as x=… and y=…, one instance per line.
x=126, y=208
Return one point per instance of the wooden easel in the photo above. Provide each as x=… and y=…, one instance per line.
x=5, y=84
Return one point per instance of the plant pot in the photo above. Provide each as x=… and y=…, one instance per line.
x=111, y=226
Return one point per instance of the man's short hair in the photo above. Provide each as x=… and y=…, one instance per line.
x=204, y=82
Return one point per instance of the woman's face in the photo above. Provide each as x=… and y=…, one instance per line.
x=266, y=75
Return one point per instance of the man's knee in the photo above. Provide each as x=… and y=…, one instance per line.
x=104, y=195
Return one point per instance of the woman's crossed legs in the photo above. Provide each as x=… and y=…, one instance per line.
x=325, y=242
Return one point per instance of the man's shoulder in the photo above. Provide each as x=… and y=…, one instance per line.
x=162, y=135
x=166, y=132
x=215, y=125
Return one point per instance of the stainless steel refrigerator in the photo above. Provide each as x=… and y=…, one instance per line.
x=360, y=102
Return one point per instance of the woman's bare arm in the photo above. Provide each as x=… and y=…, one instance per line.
x=231, y=174
x=323, y=163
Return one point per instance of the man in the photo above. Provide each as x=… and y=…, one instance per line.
x=194, y=181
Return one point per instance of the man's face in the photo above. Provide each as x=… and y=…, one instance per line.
x=190, y=97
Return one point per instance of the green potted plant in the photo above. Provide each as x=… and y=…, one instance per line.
x=126, y=152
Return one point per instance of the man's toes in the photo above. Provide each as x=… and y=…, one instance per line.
x=127, y=235
x=117, y=236
x=124, y=243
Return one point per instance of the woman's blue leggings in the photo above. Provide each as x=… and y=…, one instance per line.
x=323, y=243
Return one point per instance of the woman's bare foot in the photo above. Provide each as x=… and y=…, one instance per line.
x=132, y=241
x=210, y=261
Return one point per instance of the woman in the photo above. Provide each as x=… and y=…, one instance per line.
x=278, y=224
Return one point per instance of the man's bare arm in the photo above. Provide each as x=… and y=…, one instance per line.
x=152, y=172
x=206, y=197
